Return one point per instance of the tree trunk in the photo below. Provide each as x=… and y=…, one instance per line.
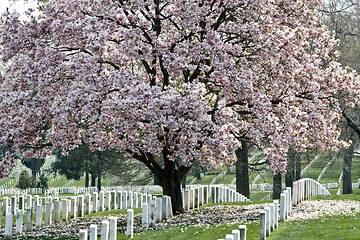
x=276, y=185
x=35, y=166
x=242, y=170
x=347, y=184
x=171, y=185
x=183, y=181
x=298, y=168
x=289, y=176
x=93, y=180
x=86, y=177
x=99, y=181
x=169, y=175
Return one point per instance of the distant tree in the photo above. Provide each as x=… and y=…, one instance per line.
x=43, y=182
x=82, y=160
x=73, y=164
x=34, y=164
x=343, y=18
x=26, y=180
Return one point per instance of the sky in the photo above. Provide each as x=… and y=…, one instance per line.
x=20, y=5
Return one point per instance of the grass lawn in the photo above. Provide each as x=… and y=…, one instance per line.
x=330, y=227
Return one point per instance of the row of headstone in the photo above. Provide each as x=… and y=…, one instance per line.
x=269, y=219
x=285, y=204
x=154, y=211
x=194, y=197
x=305, y=188
x=18, y=206
x=75, y=190
x=302, y=190
x=237, y=234
x=221, y=194
x=104, y=200
x=60, y=209
x=108, y=229
x=14, y=203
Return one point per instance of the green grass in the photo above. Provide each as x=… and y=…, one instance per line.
x=205, y=180
x=333, y=173
x=255, y=197
x=328, y=227
x=226, y=179
x=355, y=196
x=196, y=232
x=59, y=183
x=355, y=174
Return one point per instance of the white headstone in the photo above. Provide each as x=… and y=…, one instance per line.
x=87, y=203
x=236, y=234
x=105, y=230
x=101, y=201
x=187, y=200
x=158, y=210
x=29, y=220
x=229, y=237
x=124, y=200
x=73, y=207
x=83, y=234
x=19, y=221
x=64, y=209
x=196, y=198
x=8, y=224
x=192, y=199
x=29, y=201
x=13, y=205
x=272, y=216
x=130, y=224
x=164, y=208
x=5, y=205
x=113, y=228
x=113, y=200
x=48, y=213
x=267, y=214
x=80, y=206
x=262, y=225
x=289, y=205
x=93, y=232
x=276, y=213
x=39, y=214
x=242, y=229
x=283, y=207
x=119, y=199
x=94, y=203
x=107, y=200
x=130, y=201
x=145, y=217
x=152, y=213
x=56, y=211
x=21, y=202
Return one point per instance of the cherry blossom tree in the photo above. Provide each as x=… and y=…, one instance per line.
x=171, y=82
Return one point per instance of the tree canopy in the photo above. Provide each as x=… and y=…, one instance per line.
x=179, y=79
